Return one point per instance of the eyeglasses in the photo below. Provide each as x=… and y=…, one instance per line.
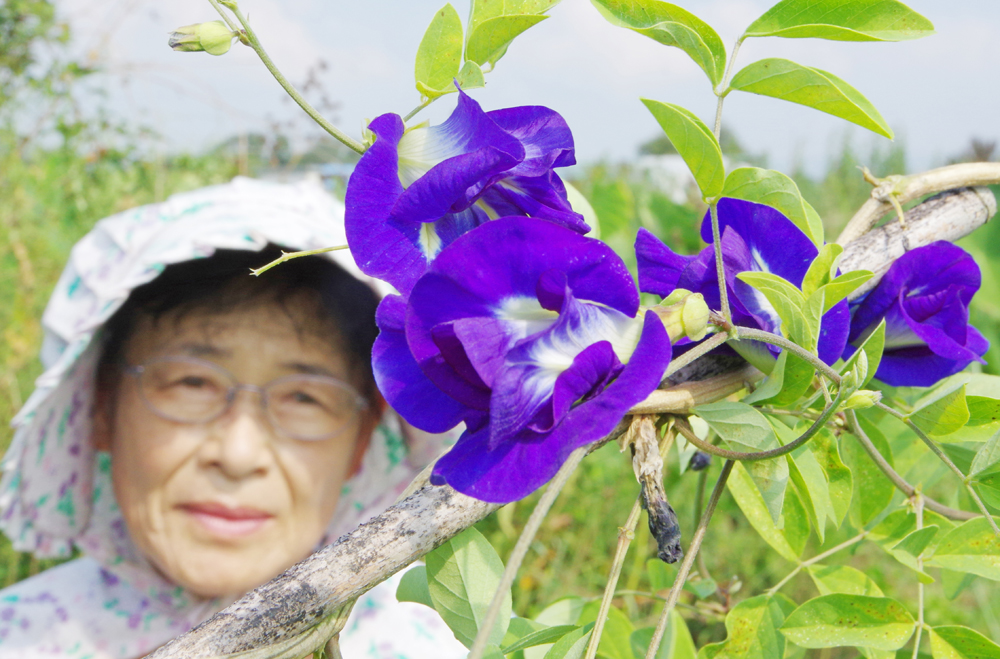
x=190, y=390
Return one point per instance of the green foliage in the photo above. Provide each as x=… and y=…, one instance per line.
x=752, y=631
x=820, y=90
x=774, y=189
x=954, y=642
x=694, y=142
x=941, y=412
x=670, y=25
x=676, y=643
x=970, y=547
x=439, y=56
x=413, y=587
x=462, y=575
x=840, y=20
x=839, y=620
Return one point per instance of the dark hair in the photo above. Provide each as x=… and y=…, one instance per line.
x=338, y=302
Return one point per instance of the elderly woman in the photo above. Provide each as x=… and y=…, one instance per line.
x=198, y=431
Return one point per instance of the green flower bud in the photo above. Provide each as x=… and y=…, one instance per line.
x=215, y=38
x=684, y=314
x=862, y=399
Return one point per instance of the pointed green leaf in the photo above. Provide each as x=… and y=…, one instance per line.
x=873, y=347
x=440, y=54
x=915, y=543
x=811, y=482
x=471, y=76
x=750, y=501
x=794, y=521
x=519, y=628
x=615, y=640
x=820, y=90
x=539, y=637
x=982, y=410
x=670, y=25
x=774, y=189
x=872, y=490
x=844, y=579
x=676, y=643
x=572, y=645
x=565, y=611
x=987, y=457
x=488, y=42
x=413, y=587
x=752, y=631
x=895, y=528
x=831, y=621
x=941, y=413
x=841, y=20
x=842, y=286
x=483, y=10
x=970, y=547
x=462, y=575
x=823, y=269
x=787, y=300
x=838, y=475
x=694, y=142
x=954, y=642
x=788, y=381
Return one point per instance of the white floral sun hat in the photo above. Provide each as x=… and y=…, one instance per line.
x=55, y=492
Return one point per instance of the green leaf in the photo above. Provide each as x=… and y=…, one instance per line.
x=838, y=620
x=987, y=456
x=462, y=575
x=873, y=347
x=519, y=628
x=581, y=205
x=955, y=582
x=694, y=142
x=661, y=575
x=616, y=638
x=670, y=25
x=483, y=10
x=539, y=637
x=794, y=521
x=813, y=487
x=915, y=543
x=954, y=642
x=752, y=630
x=774, y=189
x=413, y=587
x=744, y=428
x=820, y=90
x=492, y=652
x=787, y=300
x=440, y=54
x=970, y=547
x=823, y=269
x=942, y=412
x=841, y=20
x=895, y=528
x=572, y=645
x=842, y=286
x=489, y=41
x=750, y=501
x=844, y=579
x=471, y=76
x=676, y=643
x=789, y=379
x=872, y=490
x=838, y=475
x=565, y=611
x=982, y=410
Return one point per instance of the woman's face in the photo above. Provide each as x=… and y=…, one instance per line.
x=221, y=507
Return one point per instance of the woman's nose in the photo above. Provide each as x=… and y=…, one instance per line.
x=239, y=442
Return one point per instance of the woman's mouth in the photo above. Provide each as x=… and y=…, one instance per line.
x=225, y=521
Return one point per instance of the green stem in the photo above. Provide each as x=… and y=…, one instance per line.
x=932, y=445
x=720, y=268
x=288, y=256
x=417, y=109
x=782, y=342
x=521, y=547
x=694, y=353
x=855, y=428
x=685, y=569
x=625, y=536
x=919, y=509
x=748, y=456
x=699, y=502
x=816, y=559
x=229, y=21
x=723, y=89
x=254, y=42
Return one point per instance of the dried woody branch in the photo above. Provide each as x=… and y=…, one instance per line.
x=310, y=598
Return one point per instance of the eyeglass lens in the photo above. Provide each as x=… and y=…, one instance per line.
x=194, y=391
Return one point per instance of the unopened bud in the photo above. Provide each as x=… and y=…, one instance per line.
x=699, y=461
x=862, y=399
x=215, y=38
x=861, y=366
x=684, y=314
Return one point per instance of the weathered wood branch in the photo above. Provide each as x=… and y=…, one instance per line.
x=309, y=593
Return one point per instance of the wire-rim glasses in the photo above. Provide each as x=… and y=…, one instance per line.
x=301, y=406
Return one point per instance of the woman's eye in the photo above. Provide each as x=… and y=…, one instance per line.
x=303, y=398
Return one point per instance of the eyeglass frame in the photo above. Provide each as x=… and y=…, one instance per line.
x=360, y=402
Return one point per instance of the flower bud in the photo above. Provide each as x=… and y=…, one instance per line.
x=862, y=399
x=684, y=313
x=215, y=38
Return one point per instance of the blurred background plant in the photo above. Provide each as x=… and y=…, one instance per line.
x=65, y=163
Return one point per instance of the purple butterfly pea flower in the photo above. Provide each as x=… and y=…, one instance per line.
x=530, y=334
x=416, y=190
x=757, y=238
x=924, y=298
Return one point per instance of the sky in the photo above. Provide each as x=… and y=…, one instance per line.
x=937, y=93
